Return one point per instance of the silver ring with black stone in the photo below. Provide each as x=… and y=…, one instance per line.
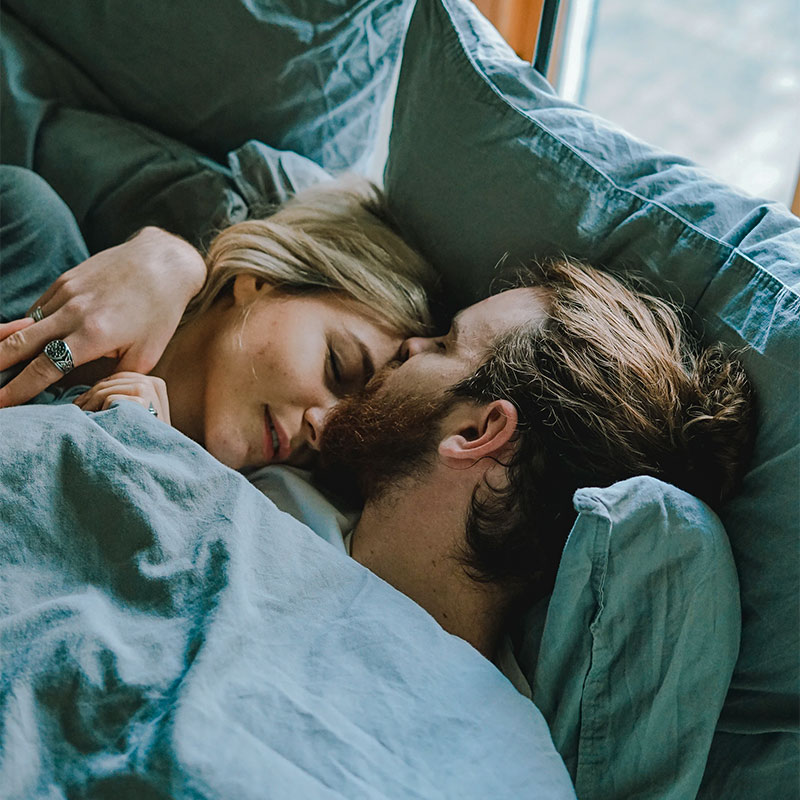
x=59, y=353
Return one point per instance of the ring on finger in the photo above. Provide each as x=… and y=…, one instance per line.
x=152, y=410
x=37, y=314
x=59, y=353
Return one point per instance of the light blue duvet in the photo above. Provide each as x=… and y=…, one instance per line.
x=166, y=631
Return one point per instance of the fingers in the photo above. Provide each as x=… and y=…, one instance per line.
x=44, y=300
x=35, y=378
x=47, y=296
x=23, y=341
x=7, y=328
x=96, y=398
x=110, y=399
x=142, y=389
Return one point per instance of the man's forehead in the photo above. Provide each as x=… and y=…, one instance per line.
x=487, y=319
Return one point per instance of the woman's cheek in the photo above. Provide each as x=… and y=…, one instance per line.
x=231, y=453
x=223, y=439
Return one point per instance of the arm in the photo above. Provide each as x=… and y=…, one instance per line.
x=123, y=303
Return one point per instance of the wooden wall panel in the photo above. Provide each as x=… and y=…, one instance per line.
x=517, y=21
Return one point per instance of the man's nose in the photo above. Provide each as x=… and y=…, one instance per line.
x=415, y=345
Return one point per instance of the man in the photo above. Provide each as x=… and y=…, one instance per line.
x=468, y=452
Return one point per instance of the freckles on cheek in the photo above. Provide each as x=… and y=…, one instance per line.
x=267, y=355
x=224, y=437
x=225, y=449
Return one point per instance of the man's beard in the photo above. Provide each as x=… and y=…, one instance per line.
x=377, y=438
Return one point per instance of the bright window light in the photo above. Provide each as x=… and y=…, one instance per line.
x=716, y=81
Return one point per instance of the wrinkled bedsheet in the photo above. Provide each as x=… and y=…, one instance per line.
x=166, y=631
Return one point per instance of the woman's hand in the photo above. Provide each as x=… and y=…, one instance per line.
x=149, y=391
x=123, y=303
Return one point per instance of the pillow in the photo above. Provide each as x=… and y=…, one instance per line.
x=302, y=76
x=23, y=193
x=639, y=641
x=485, y=159
x=117, y=176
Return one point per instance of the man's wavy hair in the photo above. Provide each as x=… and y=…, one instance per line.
x=608, y=387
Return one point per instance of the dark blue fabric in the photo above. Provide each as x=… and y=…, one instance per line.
x=39, y=239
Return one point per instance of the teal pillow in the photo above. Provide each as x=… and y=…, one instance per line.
x=631, y=664
x=308, y=77
x=121, y=176
x=485, y=159
x=117, y=176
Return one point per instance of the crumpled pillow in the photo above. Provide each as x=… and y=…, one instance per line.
x=297, y=75
x=110, y=105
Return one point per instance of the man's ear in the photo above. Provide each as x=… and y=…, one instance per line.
x=478, y=431
x=247, y=288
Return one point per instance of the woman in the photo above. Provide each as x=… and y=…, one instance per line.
x=297, y=311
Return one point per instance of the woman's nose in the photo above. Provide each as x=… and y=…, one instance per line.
x=315, y=421
x=416, y=344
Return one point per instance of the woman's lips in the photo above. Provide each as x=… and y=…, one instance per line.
x=276, y=445
x=269, y=438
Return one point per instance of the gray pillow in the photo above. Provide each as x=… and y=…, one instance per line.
x=297, y=75
x=117, y=176
x=485, y=159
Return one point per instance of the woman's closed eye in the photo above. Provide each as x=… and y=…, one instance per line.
x=334, y=366
x=350, y=363
x=343, y=376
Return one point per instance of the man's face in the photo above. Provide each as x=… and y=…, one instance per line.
x=436, y=363
x=391, y=429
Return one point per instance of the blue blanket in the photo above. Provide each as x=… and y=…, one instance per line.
x=166, y=631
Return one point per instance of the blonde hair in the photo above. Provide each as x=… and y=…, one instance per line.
x=338, y=237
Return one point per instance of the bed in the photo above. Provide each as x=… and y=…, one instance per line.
x=183, y=636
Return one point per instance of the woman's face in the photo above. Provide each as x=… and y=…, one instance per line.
x=275, y=364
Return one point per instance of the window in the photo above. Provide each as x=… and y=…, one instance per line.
x=717, y=81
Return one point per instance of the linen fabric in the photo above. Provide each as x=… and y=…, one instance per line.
x=302, y=75
x=166, y=631
x=128, y=140
x=39, y=240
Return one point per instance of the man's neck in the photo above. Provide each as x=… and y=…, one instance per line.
x=411, y=539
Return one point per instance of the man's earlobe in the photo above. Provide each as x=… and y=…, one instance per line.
x=479, y=431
